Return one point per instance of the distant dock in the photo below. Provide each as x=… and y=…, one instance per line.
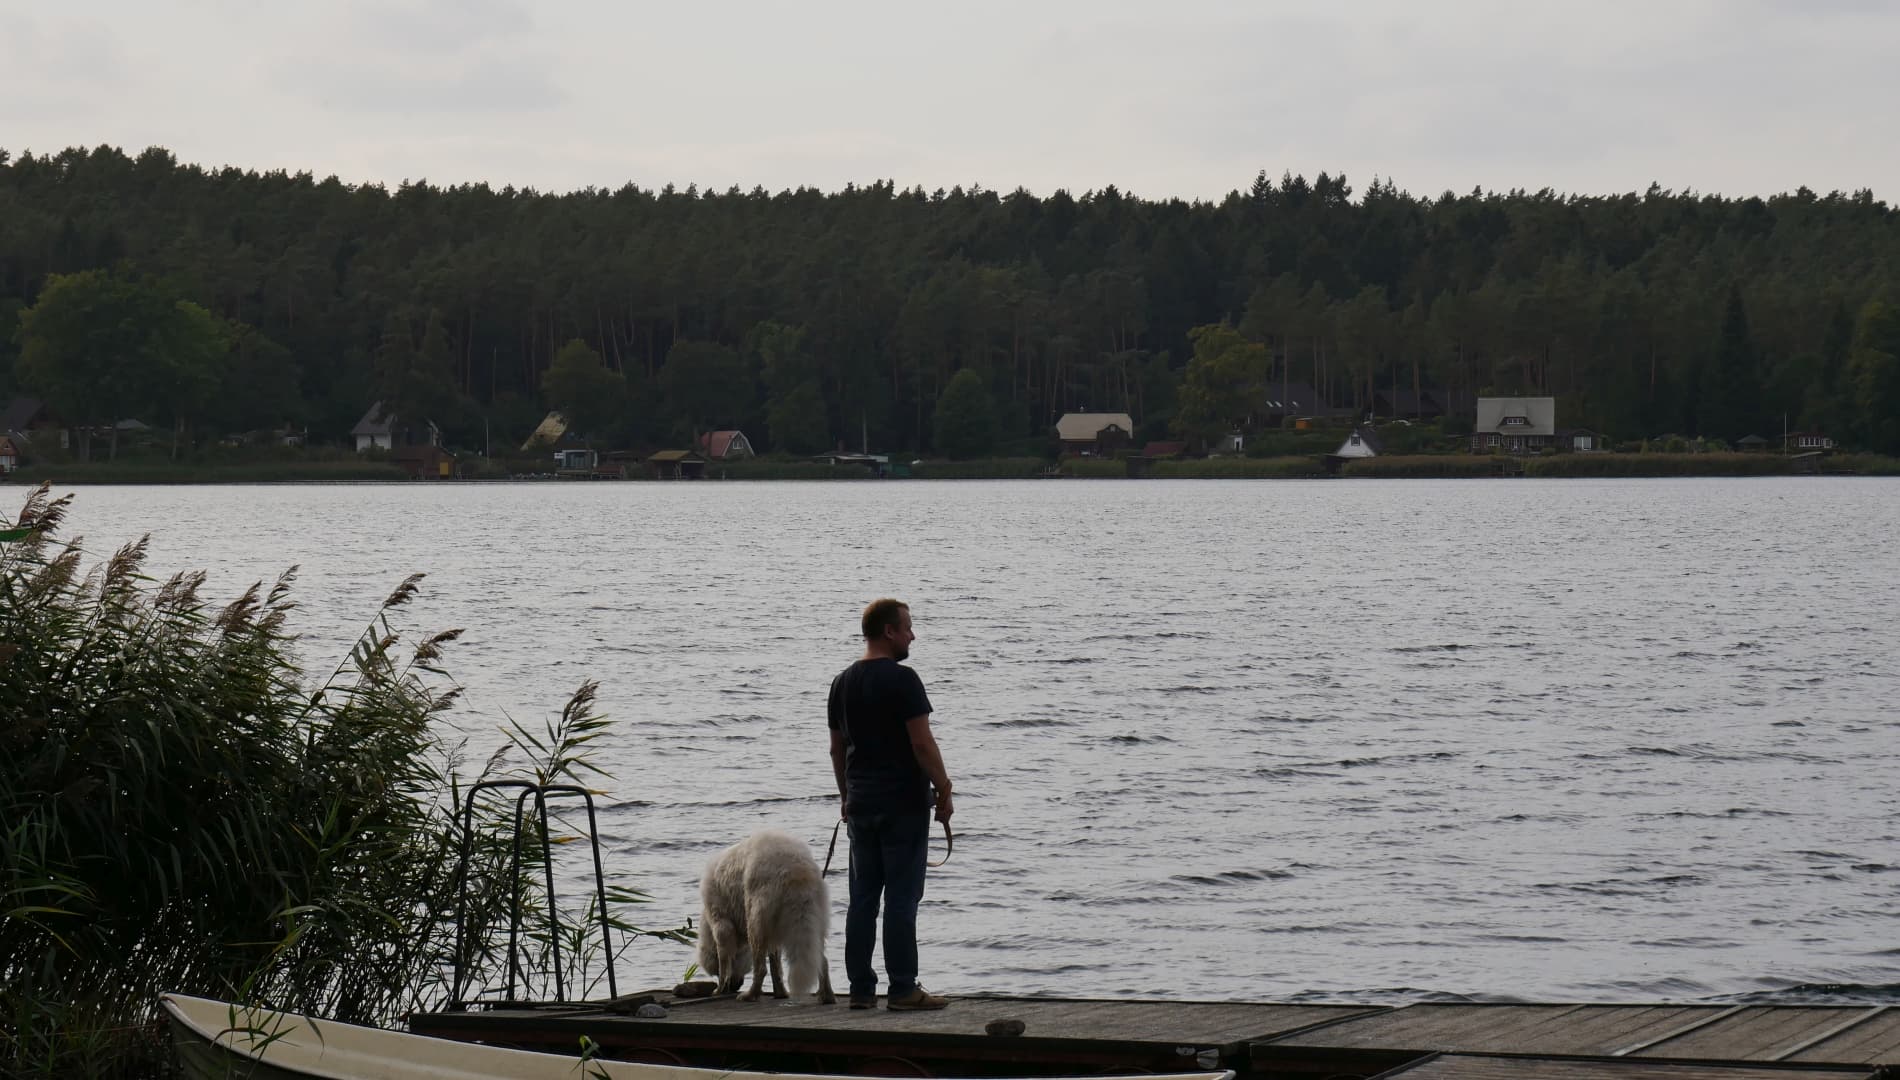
x=1088, y=1037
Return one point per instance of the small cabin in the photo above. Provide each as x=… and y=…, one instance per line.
x=677, y=465
x=576, y=460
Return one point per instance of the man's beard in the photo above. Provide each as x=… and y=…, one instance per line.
x=901, y=652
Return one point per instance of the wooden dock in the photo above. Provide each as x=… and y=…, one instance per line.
x=1260, y=1041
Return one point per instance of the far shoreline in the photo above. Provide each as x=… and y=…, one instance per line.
x=1304, y=467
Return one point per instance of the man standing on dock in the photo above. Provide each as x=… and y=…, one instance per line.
x=887, y=764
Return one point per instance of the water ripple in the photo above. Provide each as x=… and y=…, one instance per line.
x=1386, y=741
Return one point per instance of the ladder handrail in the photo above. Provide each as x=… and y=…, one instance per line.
x=540, y=793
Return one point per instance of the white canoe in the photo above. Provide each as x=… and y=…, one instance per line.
x=215, y=1040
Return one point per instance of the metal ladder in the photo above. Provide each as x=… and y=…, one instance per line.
x=540, y=793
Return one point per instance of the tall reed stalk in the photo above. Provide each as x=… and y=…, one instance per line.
x=182, y=810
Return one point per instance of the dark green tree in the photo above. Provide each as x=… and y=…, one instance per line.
x=587, y=395
x=1224, y=384
x=1730, y=402
x=796, y=420
x=453, y=302
x=101, y=346
x=260, y=386
x=964, y=423
x=708, y=386
x=1874, y=376
x=412, y=376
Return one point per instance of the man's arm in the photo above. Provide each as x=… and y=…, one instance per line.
x=924, y=745
x=837, y=769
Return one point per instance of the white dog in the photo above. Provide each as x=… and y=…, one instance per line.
x=761, y=898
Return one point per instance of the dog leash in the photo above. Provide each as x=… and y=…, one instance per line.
x=949, y=845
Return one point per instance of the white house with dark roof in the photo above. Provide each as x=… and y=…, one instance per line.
x=1515, y=425
x=381, y=430
x=1363, y=442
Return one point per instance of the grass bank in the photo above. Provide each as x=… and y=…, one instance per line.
x=1862, y=465
x=1417, y=466
x=1578, y=465
x=1237, y=468
x=1011, y=468
x=770, y=469
x=249, y=472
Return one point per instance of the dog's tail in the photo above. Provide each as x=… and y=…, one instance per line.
x=804, y=947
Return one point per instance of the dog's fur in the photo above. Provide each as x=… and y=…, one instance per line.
x=760, y=899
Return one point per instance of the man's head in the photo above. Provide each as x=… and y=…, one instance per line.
x=886, y=626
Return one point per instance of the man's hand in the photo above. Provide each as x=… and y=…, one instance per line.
x=844, y=806
x=944, y=807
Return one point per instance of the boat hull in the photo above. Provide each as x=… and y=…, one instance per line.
x=215, y=1040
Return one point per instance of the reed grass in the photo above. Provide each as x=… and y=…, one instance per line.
x=1090, y=468
x=1238, y=468
x=1604, y=465
x=186, y=811
x=779, y=469
x=1863, y=464
x=1002, y=468
x=1410, y=466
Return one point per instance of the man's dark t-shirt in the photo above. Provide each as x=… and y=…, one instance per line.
x=870, y=702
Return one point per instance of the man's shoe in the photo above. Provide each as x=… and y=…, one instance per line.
x=918, y=999
x=867, y=1001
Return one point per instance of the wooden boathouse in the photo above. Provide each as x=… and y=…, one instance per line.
x=1259, y=1041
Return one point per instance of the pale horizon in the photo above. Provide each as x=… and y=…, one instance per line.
x=1746, y=98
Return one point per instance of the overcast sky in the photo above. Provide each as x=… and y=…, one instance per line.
x=1162, y=98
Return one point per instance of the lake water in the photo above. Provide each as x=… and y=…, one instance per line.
x=1578, y=740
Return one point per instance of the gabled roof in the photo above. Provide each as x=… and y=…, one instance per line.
x=719, y=443
x=1408, y=402
x=374, y=422
x=547, y=432
x=20, y=413
x=1295, y=399
x=1086, y=426
x=1539, y=414
x=1362, y=441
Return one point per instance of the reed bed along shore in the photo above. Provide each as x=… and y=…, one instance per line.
x=183, y=808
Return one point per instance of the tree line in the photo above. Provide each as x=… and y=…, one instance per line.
x=219, y=301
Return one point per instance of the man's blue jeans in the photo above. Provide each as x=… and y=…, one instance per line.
x=888, y=852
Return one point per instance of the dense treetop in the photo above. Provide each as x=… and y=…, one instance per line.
x=808, y=318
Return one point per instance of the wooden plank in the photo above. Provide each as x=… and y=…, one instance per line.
x=1409, y=1027
x=1804, y=1033
x=1599, y=1029
x=1428, y=1027
x=1876, y=1041
x=1694, y=1025
x=1201, y=1023
x=1469, y=1067
x=1757, y=1033
x=1841, y=1028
